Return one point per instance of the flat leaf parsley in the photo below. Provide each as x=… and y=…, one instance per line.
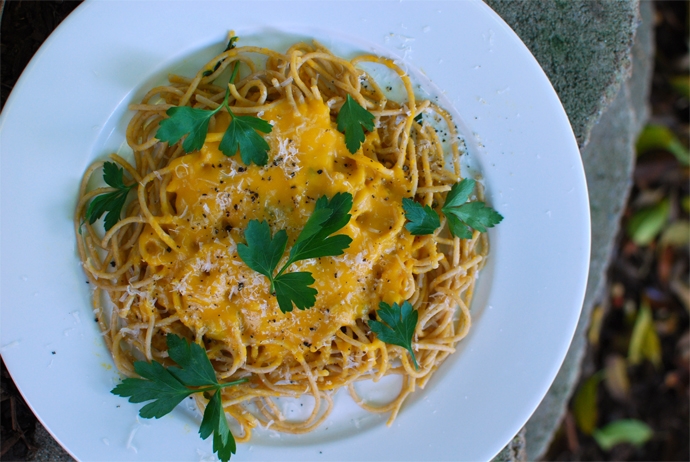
x=397, y=328
x=110, y=203
x=462, y=216
x=167, y=387
x=241, y=135
x=422, y=220
x=262, y=253
x=352, y=120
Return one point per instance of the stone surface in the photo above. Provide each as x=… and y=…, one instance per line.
x=48, y=449
x=583, y=47
x=515, y=451
x=607, y=148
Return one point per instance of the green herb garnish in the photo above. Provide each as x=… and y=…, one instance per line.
x=110, y=203
x=241, y=133
x=263, y=252
x=462, y=216
x=422, y=220
x=397, y=328
x=167, y=387
x=352, y=120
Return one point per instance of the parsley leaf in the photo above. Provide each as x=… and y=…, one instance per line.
x=352, y=119
x=464, y=216
x=167, y=387
x=397, y=328
x=158, y=384
x=195, y=369
x=185, y=120
x=214, y=421
x=262, y=253
x=241, y=135
x=422, y=220
x=109, y=203
x=328, y=217
x=294, y=288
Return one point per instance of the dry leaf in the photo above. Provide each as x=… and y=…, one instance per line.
x=616, y=377
x=644, y=341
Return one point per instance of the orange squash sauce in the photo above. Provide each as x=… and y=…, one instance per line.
x=215, y=196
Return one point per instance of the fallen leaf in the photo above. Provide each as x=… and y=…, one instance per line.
x=630, y=431
x=661, y=137
x=648, y=222
x=585, y=408
x=644, y=341
x=616, y=378
x=677, y=234
x=595, y=325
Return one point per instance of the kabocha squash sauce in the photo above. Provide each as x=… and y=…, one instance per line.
x=177, y=217
x=218, y=196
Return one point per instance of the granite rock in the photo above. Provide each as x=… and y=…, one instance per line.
x=583, y=47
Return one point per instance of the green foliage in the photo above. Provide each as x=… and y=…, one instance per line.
x=464, y=216
x=352, y=120
x=661, y=137
x=421, y=220
x=630, y=431
x=262, y=253
x=644, y=341
x=167, y=387
x=110, y=203
x=241, y=135
x=647, y=223
x=585, y=408
x=398, y=326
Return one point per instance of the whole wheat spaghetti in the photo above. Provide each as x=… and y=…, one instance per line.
x=170, y=264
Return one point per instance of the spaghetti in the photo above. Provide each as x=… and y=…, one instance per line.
x=171, y=264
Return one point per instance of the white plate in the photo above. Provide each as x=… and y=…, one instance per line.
x=69, y=107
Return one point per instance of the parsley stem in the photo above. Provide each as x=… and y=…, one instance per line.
x=282, y=270
x=235, y=382
x=234, y=72
x=220, y=386
x=227, y=90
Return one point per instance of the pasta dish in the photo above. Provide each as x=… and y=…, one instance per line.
x=171, y=261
